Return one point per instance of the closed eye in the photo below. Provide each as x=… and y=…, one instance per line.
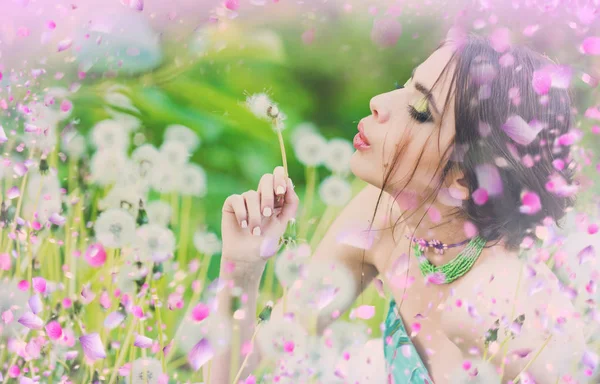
x=420, y=116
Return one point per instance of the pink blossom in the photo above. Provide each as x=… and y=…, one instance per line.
x=531, y=203
x=95, y=255
x=591, y=45
x=200, y=354
x=31, y=321
x=92, y=346
x=365, y=312
x=54, y=330
x=39, y=284
x=142, y=341
x=200, y=312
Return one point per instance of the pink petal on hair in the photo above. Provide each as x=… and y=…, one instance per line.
x=95, y=255
x=541, y=82
x=531, y=203
x=488, y=177
x=586, y=254
x=591, y=45
x=521, y=132
x=31, y=321
x=39, y=284
x=200, y=354
x=531, y=29
x=365, y=312
x=64, y=44
x=480, y=196
x=200, y=312
x=13, y=192
x=500, y=39
x=142, y=341
x=113, y=320
x=506, y=60
x=35, y=304
x=54, y=330
x=92, y=346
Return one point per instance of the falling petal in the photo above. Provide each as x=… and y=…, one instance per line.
x=386, y=31
x=521, y=132
x=586, y=254
x=39, y=284
x=31, y=321
x=437, y=278
x=591, y=45
x=64, y=44
x=531, y=203
x=54, y=330
x=57, y=219
x=92, y=346
x=113, y=320
x=200, y=312
x=541, y=82
x=488, y=177
x=95, y=255
x=13, y=192
x=142, y=341
x=590, y=359
x=200, y=354
x=500, y=39
x=35, y=304
x=593, y=113
x=522, y=352
x=365, y=312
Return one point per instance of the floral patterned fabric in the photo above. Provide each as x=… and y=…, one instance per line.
x=402, y=361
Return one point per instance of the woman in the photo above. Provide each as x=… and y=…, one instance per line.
x=467, y=157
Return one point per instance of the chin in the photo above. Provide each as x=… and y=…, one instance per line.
x=361, y=168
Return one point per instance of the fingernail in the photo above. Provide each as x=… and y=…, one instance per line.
x=244, y=224
x=280, y=190
x=267, y=212
x=256, y=231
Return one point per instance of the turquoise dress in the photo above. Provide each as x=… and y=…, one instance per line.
x=402, y=361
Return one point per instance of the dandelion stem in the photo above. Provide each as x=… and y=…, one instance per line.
x=516, y=380
x=186, y=208
x=311, y=181
x=282, y=148
x=239, y=373
x=269, y=277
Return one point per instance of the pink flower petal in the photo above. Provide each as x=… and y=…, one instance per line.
x=142, y=341
x=480, y=196
x=39, y=284
x=7, y=316
x=488, y=178
x=541, y=82
x=35, y=303
x=113, y=320
x=64, y=44
x=365, y=312
x=200, y=312
x=591, y=45
x=586, y=254
x=31, y=321
x=57, y=219
x=66, y=105
x=92, y=346
x=593, y=113
x=500, y=39
x=54, y=330
x=95, y=255
x=13, y=192
x=521, y=132
x=522, y=353
x=436, y=278
x=590, y=359
x=531, y=203
x=200, y=354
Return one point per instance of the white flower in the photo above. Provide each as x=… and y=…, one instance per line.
x=345, y=335
x=159, y=212
x=103, y=165
x=144, y=371
x=262, y=106
x=277, y=332
x=193, y=181
x=145, y=158
x=339, y=152
x=155, y=242
x=216, y=328
x=128, y=122
x=45, y=208
x=129, y=273
x=207, y=243
x=174, y=153
x=311, y=149
x=166, y=178
x=486, y=374
x=117, y=99
x=123, y=197
x=110, y=135
x=42, y=139
x=183, y=134
x=327, y=287
x=115, y=228
x=74, y=145
x=40, y=185
x=335, y=191
x=15, y=300
x=303, y=129
x=129, y=177
x=290, y=264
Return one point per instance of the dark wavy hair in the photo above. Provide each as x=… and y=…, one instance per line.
x=478, y=71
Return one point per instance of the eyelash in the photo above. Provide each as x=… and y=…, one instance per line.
x=421, y=117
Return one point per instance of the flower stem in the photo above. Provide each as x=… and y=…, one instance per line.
x=311, y=181
x=239, y=373
x=184, y=229
x=516, y=380
x=269, y=277
x=282, y=148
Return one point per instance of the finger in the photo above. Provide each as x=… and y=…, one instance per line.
x=253, y=207
x=267, y=198
x=235, y=204
x=291, y=202
x=279, y=181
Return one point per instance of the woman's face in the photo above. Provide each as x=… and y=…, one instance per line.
x=392, y=125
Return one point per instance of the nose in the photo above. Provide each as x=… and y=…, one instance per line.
x=378, y=110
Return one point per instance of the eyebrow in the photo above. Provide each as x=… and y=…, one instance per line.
x=421, y=88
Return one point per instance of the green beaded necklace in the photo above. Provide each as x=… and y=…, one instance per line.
x=454, y=269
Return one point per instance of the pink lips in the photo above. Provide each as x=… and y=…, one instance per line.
x=360, y=140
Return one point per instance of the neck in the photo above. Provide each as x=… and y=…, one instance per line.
x=434, y=220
